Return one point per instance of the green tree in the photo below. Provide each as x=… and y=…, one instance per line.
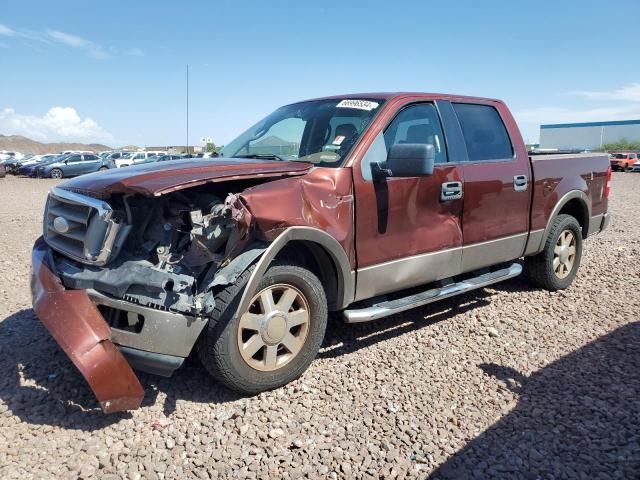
x=212, y=147
x=622, y=144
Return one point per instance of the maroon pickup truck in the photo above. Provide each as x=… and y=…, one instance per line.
x=368, y=205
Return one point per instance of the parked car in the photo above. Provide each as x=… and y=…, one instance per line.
x=2, y=171
x=623, y=161
x=8, y=154
x=74, y=165
x=373, y=205
x=135, y=157
x=162, y=158
x=636, y=167
x=29, y=170
x=116, y=155
x=37, y=159
x=25, y=158
x=10, y=160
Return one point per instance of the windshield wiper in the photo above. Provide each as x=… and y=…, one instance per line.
x=270, y=156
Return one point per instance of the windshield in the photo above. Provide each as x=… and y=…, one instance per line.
x=618, y=155
x=319, y=131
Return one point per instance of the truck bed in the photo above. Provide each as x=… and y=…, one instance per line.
x=554, y=174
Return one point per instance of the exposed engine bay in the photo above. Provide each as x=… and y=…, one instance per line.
x=177, y=247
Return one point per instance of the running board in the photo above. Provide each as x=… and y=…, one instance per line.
x=391, y=307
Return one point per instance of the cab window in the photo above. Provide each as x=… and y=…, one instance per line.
x=485, y=134
x=417, y=124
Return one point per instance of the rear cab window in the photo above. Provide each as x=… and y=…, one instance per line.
x=484, y=132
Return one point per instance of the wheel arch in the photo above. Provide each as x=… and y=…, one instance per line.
x=575, y=203
x=325, y=255
x=578, y=208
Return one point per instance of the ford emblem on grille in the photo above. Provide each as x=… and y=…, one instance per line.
x=61, y=225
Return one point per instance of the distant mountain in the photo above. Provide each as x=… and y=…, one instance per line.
x=22, y=144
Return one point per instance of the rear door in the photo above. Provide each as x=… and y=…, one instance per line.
x=497, y=185
x=407, y=234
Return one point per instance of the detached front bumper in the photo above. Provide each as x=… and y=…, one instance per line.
x=76, y=324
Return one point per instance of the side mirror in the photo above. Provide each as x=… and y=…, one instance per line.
x=66, y=162
x=411, y=160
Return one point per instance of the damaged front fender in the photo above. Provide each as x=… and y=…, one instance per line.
x=315, y=208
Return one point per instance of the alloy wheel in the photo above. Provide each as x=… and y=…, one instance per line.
x=274, y=329
x=564, y=254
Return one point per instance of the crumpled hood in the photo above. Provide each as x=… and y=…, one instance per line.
x=155, y=179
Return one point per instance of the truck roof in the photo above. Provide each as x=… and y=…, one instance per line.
x=392, y=95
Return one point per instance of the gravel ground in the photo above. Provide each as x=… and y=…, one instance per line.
x=507, y=382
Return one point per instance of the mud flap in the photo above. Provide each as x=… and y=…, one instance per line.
x=81, y=331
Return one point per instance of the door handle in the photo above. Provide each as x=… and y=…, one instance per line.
x=520, y=183
x=451, y=191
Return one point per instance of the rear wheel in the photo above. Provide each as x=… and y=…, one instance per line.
x=56, y=173
x=556, y=266
x=103, y=168
x=275, y=339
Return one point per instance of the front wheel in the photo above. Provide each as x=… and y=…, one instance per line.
x=101, y=169
x=56, y=173
x=275, y=340
x=557, y=265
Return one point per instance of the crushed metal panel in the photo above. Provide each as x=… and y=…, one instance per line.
x=323, y=199
x=77, y=326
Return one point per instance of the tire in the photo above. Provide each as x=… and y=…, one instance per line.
x=540, y=269
x=56, y=173
x=219, y=347
x=101, y=169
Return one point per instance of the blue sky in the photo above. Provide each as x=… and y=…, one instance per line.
x=115, y=71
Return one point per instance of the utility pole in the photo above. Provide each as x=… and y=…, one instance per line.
x=187, y=144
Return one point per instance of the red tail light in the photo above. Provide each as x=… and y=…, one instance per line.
x=607, y=185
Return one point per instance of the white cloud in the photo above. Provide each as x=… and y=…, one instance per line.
x=6, y=31
x=93, y=49
x=55, y=37
x=58, y=124
x=629, y=93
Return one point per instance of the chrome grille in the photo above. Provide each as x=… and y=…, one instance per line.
x=82, y=227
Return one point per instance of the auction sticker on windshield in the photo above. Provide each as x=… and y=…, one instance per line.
x=359, y=104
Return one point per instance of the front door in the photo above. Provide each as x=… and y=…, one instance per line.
x=497, y=183
x=90, y=163
x=407, y=233
x=73, y=165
